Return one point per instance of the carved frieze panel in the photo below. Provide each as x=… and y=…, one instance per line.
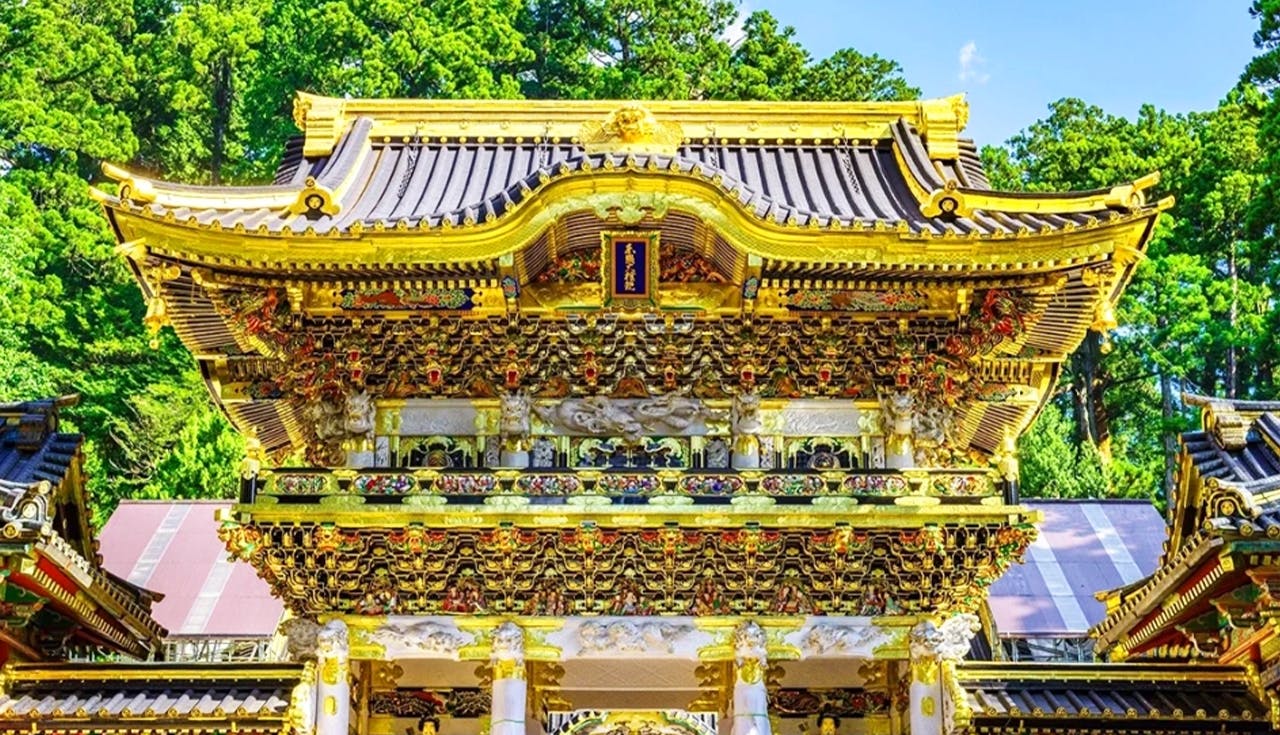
x=590, y=570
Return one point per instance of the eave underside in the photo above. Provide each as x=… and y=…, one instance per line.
x=248, y=698
x=1045, y=698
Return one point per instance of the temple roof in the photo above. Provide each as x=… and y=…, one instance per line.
x=426, y=183
x=1083, y=547
x=155, y=698
x=172, y=547
x=865, y=170
x=1225, y=526
x=45, y=525
x=1151, y=698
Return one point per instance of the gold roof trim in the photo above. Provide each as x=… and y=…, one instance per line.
x=758, y=235
x=157, y=673
x=325, y=119
x=483, y=516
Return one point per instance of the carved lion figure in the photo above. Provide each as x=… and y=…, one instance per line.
x=513, y=420
x=898, y=410
x=746, y=414
x=950, y=640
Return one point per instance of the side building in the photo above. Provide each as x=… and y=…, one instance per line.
x=60, y=609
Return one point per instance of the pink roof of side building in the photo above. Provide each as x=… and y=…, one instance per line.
x=172, y=547
x=1084, y=547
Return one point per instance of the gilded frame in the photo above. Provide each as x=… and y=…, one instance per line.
x=629, y=278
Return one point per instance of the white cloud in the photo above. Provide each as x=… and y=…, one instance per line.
x=972, y=64
x=737, y=30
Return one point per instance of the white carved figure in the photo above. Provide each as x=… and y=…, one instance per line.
x=492, y=454
x=877, y=453
x=766, y=453
x=746, y=414
x=676, y=410
x=749, y=641
x=934, y=423
x=631, y=636
x=828, y=640
x=950, y=640
x=301, y=636
x=331, y=640
x=508, y=642
x=544, y=452
x=899, y=410
x=423, y=636
x=671, y=413
x=716, y=454
x=513, y=421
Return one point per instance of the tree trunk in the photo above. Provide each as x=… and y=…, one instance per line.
x=1170, y=438
x=1233, y=317
x=1088, y=386
x=221, y=120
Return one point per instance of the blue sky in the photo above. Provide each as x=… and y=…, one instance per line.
x=1180, y=55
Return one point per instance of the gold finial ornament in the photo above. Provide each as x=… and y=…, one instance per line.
x=631, y=129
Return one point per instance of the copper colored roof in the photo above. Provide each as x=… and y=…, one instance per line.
x=1084, y=547
x=172, y=547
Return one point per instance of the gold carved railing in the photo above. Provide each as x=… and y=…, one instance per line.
x=470, y=485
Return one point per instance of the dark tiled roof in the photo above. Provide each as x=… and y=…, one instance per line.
x=1111, y=697
x=42, y=506
x=112, y=697
x=433, y=183
x=1239, y=449
x=31, y=448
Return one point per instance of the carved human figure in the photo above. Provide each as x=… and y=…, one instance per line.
x=790, y=599
x=708, y=600
x=627, y=600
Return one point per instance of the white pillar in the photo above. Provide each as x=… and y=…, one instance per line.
x=750, y=699
x=333, y=683
x=931, y=646
x=900, y=453
x=510, y=694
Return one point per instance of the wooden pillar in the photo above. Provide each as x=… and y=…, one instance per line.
x=932, y=645
x=750, y=699
x=333, y=687
x=510, y=690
